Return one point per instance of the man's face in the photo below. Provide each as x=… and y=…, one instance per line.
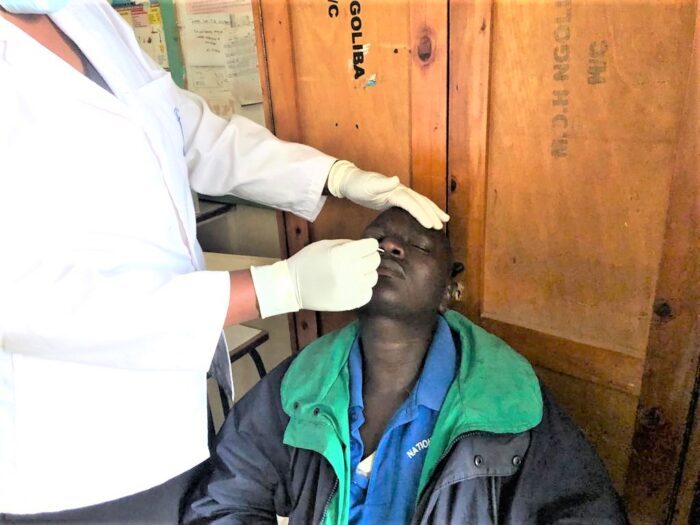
x=415, y=267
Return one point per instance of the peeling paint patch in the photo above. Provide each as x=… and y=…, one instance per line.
x=371, y=81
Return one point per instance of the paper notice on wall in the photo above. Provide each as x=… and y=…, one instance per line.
x=147, y=23
x=218, y=45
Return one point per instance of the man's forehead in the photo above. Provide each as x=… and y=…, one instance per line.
x=400, y=217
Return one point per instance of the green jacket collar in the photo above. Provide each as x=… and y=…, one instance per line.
x=495, y=391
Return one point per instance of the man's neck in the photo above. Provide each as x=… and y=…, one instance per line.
x=394, y=350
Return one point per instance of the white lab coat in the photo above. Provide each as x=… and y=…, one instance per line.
x=108, y=322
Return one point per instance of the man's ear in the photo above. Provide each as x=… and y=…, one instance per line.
x=448, y=296
x=453, y=290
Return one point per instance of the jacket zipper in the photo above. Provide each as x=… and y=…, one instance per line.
x=494, y=502
x=328, y=501
x=446, y=452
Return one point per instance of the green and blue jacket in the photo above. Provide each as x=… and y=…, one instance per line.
x=501, y=450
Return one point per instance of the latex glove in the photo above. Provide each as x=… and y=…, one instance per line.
x=378, y=192
x=330, y=276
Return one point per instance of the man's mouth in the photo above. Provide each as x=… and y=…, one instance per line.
x=391, y=268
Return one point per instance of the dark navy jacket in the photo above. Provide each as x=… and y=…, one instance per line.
x=549, y=474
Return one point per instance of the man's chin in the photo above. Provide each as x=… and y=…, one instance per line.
x=384, y=305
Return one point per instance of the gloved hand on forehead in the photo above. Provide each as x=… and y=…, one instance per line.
x=378, y=192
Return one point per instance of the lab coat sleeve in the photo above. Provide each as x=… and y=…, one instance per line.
x=124, y=317
x=242, y=158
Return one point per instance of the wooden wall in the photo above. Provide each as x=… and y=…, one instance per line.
x=584, y=107
x=560, y=137
x=364, y=81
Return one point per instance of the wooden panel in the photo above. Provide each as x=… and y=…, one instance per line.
x=582, y=214
x=278, y=80
x=365, y=120
x=586, y=102
x=374, y=120
x=598, y=365
x=606, y=417
x=470, y=47
x=273, y=25
x=262, y=64
x=370, y=86
x=428, y=110
x=673, y=354
x=305, y=322
x=688, y=502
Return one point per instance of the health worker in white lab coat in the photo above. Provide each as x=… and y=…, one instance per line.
x=108, y=320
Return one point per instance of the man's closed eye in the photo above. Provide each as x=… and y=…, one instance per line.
x=422, y=248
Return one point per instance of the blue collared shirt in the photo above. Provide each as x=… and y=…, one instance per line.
x=388, y=496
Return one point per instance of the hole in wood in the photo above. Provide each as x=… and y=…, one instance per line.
x=652, y=417
x=663, y=310
x=425, y=48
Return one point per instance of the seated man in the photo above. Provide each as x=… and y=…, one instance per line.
x=410, y=415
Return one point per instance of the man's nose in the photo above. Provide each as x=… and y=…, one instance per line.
x=392, y=246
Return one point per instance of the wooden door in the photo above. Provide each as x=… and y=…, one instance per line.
x=364, y=81
x=663, y=481
x=560, y=137
x=566, y=123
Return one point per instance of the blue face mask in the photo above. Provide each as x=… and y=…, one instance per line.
x=33, y=7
